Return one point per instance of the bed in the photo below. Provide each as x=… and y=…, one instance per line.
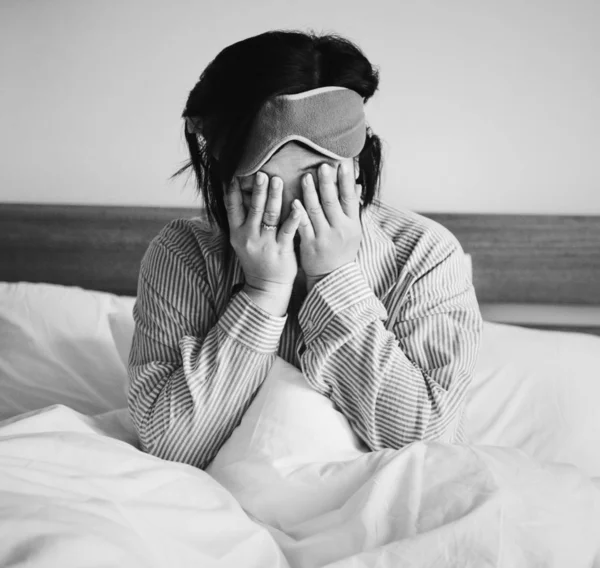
x=75, y=489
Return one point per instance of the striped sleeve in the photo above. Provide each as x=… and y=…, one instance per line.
x=192, y=371
x=405, y=380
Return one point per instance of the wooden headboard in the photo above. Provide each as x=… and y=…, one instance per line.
x=517, y=259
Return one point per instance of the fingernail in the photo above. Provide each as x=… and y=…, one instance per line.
x=306, y=179
x=277, y=183
x=324, y=169
x=261, y=178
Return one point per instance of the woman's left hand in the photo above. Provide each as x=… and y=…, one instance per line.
x=330, y=229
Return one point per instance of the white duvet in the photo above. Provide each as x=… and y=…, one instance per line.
x=76, y=491
x=72, y=496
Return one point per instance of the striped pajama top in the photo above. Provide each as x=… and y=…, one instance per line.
x=391, y=338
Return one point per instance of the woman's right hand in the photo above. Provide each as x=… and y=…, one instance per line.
x=267, y=256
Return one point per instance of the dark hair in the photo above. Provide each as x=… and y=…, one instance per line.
x=235, y=85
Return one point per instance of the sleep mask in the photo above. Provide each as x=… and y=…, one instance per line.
x=330, y=120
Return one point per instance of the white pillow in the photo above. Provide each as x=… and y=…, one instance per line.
x=122, y=327
x=538, y=391
x=287, y=428
x=289, y=424
x=56, y=348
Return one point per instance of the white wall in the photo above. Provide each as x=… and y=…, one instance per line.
x=484, y=106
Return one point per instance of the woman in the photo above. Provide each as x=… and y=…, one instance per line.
x=299, y=260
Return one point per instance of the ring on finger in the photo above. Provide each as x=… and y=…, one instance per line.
x=268, y=227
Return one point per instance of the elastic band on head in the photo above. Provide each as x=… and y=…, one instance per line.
x=330, y=120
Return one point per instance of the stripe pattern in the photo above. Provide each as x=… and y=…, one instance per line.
x=392, y=338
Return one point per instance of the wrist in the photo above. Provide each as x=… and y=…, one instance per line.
x=274, y=300
x=312, y=280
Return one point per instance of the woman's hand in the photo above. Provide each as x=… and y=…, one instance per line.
x=266, y=255
x=330, y=229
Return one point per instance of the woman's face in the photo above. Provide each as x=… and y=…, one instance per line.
x=290, y=163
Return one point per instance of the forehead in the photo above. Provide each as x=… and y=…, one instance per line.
x=294, y=159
